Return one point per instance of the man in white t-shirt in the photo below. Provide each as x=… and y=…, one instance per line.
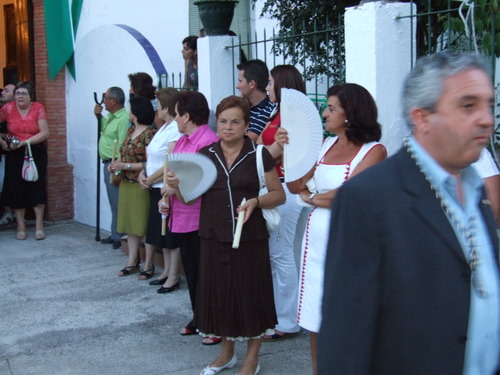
x=487, y=169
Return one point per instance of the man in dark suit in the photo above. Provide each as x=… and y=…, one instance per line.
x=412, y=277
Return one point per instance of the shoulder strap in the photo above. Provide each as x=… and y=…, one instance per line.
x=362, y=153
x=260, y=165
x=29, y=149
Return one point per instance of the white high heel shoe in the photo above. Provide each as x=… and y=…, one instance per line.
x=215, y=370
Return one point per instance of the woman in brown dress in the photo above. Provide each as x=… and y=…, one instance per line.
x=235, y=292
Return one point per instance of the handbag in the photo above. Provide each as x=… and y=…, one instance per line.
x=271, y=215
x=29, y=171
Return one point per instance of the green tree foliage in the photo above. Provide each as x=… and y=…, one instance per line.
x=439, y=26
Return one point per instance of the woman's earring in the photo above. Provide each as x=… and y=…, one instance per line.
x=346, y=122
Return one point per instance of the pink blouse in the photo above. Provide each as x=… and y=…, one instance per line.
x=186, y=218
x=23, y=127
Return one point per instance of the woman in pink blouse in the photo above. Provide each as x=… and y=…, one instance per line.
x=27, y=122
x=192, y=113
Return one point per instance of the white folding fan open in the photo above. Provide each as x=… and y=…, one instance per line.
x=196, y=173
x=301, y=119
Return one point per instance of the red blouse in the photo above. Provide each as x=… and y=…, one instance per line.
x=268, y=139
x=23, y=127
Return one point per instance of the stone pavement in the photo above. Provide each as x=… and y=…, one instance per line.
x=63, y=311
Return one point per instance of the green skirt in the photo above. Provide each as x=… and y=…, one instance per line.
x=133, y=209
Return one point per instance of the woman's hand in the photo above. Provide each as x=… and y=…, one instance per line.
x=172, y=181
x=281, y=137
x=164, y=206
x=143, y=181
x=304, y=195
x=249, y=206
x=116, y=167
x=4, y=145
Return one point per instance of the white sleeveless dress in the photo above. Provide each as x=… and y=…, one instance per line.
x=314, y=243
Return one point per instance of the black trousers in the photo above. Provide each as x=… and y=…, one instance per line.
x=190, y=254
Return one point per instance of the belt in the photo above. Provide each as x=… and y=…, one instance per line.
x=106, y=161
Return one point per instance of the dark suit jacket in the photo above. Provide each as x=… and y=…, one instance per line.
x=397, y=284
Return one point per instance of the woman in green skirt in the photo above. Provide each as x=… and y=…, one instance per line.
x=133, y=201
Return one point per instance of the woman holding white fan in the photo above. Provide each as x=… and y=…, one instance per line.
x=284, y=267
x=235, y=293
x=351, y=114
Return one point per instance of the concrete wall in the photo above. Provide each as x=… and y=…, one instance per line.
x=104, y=55
x=378, y=57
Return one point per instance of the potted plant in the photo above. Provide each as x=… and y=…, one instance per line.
x=216, y=15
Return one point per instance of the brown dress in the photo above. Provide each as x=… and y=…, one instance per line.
x=235, y=290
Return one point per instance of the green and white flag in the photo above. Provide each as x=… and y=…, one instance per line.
x=61, y=23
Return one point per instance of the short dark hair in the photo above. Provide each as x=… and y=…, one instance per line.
x=142, y=108
x=195, y=104
x=191, y=42
x=287, y=76
x=360, y=111
x=142, y=84
x=166, y=97
x=255, y=70
x=234, y=102
x=28, y=86
x=117, y=94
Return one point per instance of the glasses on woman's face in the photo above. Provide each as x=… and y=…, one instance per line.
x=21, y=93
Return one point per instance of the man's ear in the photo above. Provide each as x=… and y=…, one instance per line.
x=421, y=119
x=252, y=84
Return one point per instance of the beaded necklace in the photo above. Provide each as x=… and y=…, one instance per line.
x=468, y=233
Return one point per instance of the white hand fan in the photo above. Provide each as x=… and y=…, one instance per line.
x=196, y=173
x=301, y=119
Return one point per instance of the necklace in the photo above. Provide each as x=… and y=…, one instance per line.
x=466, y=232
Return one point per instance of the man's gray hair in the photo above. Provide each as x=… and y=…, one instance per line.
x=424, y=85
x=117, y=94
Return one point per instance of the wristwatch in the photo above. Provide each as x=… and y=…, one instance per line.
x=311, y=198
x=129, y=166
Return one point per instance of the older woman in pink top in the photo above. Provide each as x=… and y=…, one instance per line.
x=27, y=122
x=192, y=117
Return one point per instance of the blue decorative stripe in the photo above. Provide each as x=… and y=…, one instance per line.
x=148, y=48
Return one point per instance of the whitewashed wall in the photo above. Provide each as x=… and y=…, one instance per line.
x=105, y=54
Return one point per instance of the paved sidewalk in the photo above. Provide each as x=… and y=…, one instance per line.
x=65, y=312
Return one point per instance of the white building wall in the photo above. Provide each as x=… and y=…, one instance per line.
x=378, y=51
x=104, y=55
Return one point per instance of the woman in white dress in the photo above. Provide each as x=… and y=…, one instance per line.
x=151, y=178
x=351, y=114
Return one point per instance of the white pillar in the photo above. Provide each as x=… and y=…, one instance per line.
x=217, y=73
x=378, y=57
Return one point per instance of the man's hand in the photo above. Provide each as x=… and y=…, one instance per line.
x=98, y=110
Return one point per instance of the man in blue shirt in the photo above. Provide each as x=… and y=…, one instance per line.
x=412, y=275
x=253, y=77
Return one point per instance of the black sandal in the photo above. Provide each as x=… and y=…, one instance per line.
x=129, y=270
x=146, y=275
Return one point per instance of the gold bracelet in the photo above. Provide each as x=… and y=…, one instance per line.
x=258, y=202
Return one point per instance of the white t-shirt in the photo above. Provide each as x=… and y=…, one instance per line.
x=158, y=147
x=486, y=166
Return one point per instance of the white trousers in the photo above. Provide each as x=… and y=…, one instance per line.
x=283, y=265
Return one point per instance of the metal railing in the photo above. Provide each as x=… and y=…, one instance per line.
x=461, y=29
x=318, y=54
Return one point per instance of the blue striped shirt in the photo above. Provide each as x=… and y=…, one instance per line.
x=259, y=115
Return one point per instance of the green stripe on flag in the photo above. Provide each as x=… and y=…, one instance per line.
x=59, y=17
